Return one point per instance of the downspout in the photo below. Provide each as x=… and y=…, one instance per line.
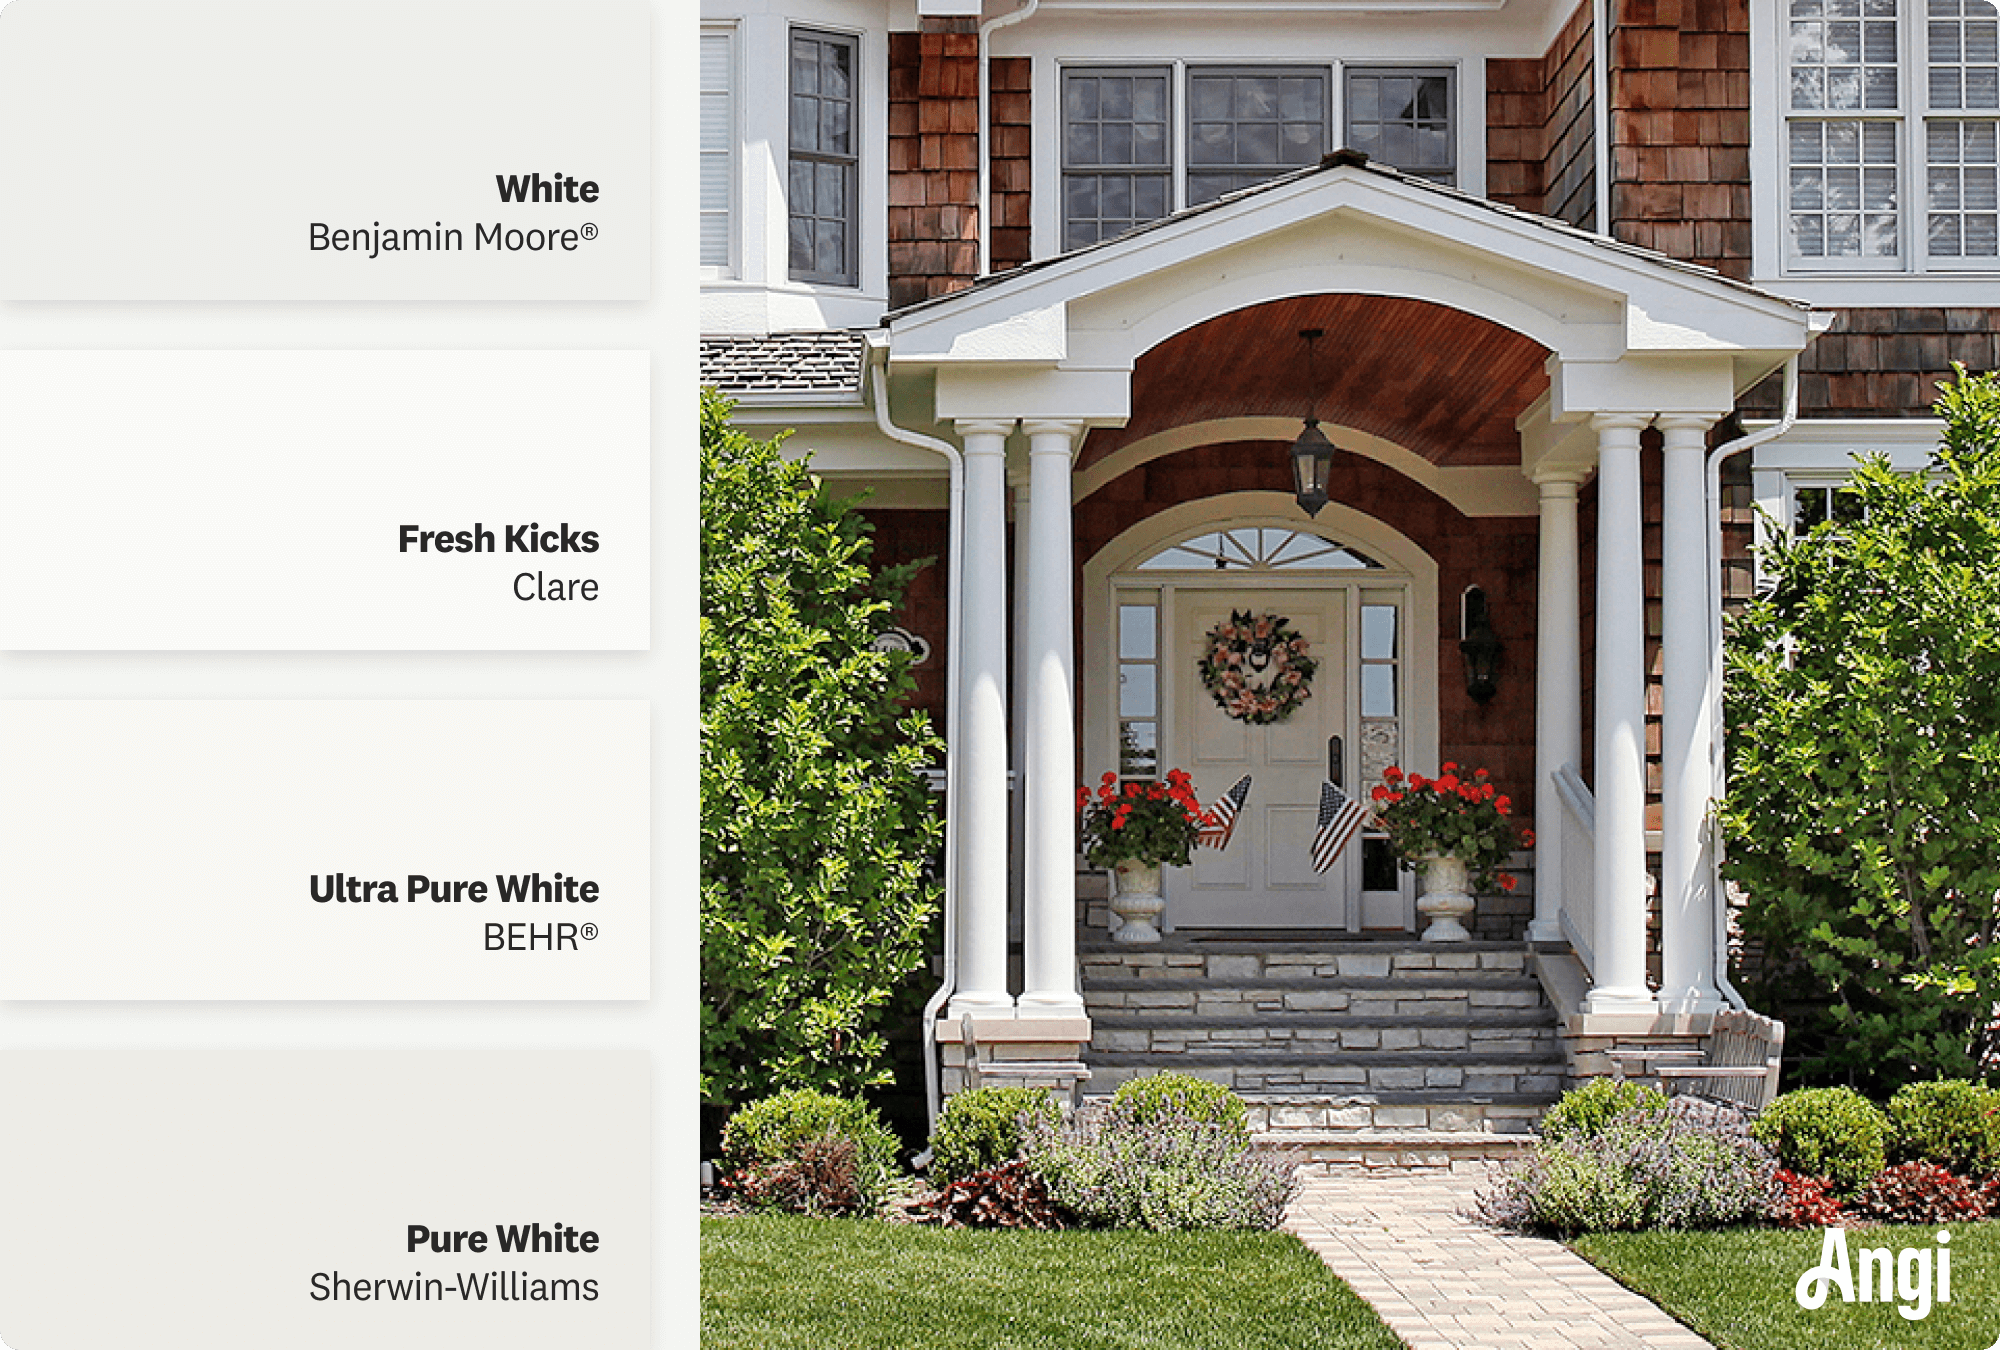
x=1718, y=902
x=879, y=382
x=1600, y=108
x=986, y=131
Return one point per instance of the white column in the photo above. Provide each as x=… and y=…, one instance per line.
x=981, y=924
x=1558, y=689
x=1017, y=726
x=1049, y=933
x=1620, y=875
x=1687, y=917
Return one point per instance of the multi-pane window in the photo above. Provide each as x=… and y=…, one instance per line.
x=1817, y=505
x=1117, y=170
x=824, y=168
x=1248, y=125
x=718, y=140
x=1892, y=108
x=1404, y=118
x=1139, y=686
x=1127, y=130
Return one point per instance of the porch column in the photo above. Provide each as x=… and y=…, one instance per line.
x=1620, y=790
x=1687, y=917
x=1558, y=689
x=1049, y=932
x=981, y=922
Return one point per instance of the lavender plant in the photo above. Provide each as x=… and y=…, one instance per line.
x=1693, y=1166
x=1161, y=1168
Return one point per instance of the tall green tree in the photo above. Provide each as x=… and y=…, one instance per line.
x=1863, y=813
x=815, y=821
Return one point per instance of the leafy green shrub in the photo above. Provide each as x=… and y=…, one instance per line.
x=1949, y=1121
x=981, y=1128
x=1128, y=1165
x=781, y=1129
x=1162, y=1095
x=1919, y=1192
x=1863, y=706
x=1584, y=1111
x=815, y=822
x=1640, y=1170
x=1835, y=1133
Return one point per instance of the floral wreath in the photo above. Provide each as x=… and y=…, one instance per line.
x=1244, y=648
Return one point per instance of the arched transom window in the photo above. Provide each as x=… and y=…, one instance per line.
x=1254, y=549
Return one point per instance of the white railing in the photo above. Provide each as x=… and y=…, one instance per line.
x=1579, y=864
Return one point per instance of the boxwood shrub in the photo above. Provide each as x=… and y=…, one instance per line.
x=1160, y=1095
x=1835, y=1133
x=981, y=1128
x=1948, y=1121
x=780, y=1130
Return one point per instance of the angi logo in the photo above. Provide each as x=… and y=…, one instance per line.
x=1912, y=1268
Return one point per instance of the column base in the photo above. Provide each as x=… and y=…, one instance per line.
x=1700, y=1001
x=980, y=1003
x=1612, y=999
x=1546, y=932
x=1050, y=1003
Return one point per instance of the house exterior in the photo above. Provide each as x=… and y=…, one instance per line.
x=1589, y=281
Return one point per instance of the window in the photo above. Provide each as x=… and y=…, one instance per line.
x=1891, y=113
x=824, y=169
x=1139, y=686
x=1258, y=550
x=718, y=140
x=1127, y=130
x=1404, y=118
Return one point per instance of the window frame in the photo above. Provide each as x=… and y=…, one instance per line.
x=1349, y=69
x=1465, y=175
x=732, y=208
x=850, y=274
x=1862, y=279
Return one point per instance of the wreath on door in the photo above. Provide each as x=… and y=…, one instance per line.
x=1257, y=666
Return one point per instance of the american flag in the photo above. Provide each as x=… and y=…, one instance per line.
x=1225, y=809
x=1339, y=816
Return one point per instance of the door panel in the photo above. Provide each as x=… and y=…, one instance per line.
x=1264, y=879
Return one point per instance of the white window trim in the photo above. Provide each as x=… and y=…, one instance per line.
x=1821, y=452
x=1468, y=107
x=1905, y=281
x=730, y=269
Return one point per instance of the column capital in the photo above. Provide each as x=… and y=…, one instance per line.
x=984, y=426
x=1686, y=431
x=1053, y=426
x=1558, y=482
x=1620, y=421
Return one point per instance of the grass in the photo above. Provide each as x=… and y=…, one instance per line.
x=1735, y=1287
x=772, y=1282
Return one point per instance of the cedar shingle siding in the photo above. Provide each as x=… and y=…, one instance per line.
x=933, y=161
x=1680, y=129
x=1539, y=128
x=1010, y=112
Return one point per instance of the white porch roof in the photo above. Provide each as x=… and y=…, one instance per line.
x=1627, y=329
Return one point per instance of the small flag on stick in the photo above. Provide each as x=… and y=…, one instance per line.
x=1339, y=816
x=1226, y=806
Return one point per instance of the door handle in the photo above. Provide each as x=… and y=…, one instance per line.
x=1335, y=761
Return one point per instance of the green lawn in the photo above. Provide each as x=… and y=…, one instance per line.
x=773, y=1282
x=1736, y=1287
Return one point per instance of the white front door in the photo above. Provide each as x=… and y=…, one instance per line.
x=1265, y=877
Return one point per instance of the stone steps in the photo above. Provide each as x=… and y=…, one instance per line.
x=1372, y=1052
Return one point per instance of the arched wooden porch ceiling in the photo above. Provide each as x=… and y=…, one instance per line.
x=1443, y=383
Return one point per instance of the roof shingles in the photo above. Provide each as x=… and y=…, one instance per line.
x=789, y=363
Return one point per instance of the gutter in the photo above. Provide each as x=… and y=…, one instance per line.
x=878, y=375
x=986, y=29
x=1718, y=903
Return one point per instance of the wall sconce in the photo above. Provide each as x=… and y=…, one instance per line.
x=1479, y=645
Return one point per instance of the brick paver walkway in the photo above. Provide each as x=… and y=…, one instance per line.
x=1445, y=1283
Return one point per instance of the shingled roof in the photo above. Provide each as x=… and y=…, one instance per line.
x=784, y=363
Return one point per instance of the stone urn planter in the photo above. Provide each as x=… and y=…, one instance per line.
x=1136, y=902
x=1446, y=898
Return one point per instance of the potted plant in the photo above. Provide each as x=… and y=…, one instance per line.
x=1455, y=831
x=1135, y=828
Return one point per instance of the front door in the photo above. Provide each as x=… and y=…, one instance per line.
x=1265, y=877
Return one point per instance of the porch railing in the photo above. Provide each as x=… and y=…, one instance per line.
x=1579, y=865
